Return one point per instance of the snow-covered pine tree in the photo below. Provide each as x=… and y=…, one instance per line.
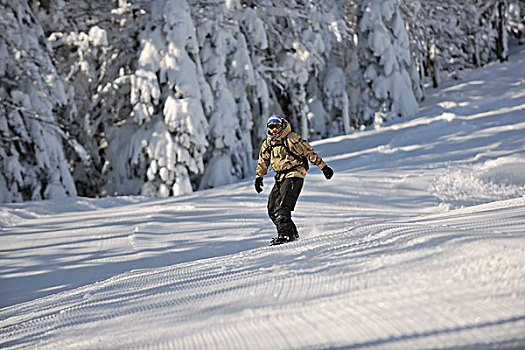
x=482, y=23
x=78, y=50
x=428, y=26
x=157, y=97
x=32, y=161
x=94, y=48
x=477, y=19
x=452, y=35
x=516, y=20
x=228, y=69
x=304, y=38
x=415, y=22
x=166, y=140
x=384, y=51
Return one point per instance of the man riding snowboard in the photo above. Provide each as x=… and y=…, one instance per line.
x=289, y=155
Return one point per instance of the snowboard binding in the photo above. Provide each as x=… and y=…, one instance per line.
x=283, y=239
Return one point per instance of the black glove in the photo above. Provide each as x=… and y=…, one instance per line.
x=328, y=172
x=259, y=184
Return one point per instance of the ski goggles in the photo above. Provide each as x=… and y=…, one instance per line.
x=274, y=126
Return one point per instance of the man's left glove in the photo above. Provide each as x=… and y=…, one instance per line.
x=259, y=184
x=327, y=172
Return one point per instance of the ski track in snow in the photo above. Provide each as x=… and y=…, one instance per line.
x=417, y=242
x=369, y=284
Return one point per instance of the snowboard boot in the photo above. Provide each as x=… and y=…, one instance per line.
x=284, y=239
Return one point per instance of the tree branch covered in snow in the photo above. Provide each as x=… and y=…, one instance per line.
x=390, y=86
x=32, y=158
x=452, y=35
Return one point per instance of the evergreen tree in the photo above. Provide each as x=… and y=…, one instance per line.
x=516, y=20
x=228, y=69
x=386, y=63
x=452, y=35
x=162, y=97
x=94, y=48
x=169, y=97
x=32, y=160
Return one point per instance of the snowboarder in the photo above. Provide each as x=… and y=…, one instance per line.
x=288, y=154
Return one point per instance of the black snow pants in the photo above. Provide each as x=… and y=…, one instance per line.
x=281, y=203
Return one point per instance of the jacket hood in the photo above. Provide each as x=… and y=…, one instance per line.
x=287, y=128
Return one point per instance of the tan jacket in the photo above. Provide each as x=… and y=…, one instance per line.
x=283, y=163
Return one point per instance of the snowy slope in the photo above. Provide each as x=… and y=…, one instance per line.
x=417, y=242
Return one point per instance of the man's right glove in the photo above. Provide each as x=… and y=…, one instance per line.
x=259, y=184
x=327, y=172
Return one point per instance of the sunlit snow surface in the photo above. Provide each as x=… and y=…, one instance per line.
x=417, y=242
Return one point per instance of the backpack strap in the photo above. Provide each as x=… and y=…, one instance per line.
x=285, y=143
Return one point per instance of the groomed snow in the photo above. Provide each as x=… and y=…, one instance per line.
x=417, y=242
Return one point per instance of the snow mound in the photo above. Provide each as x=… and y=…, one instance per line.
x=493, y=180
